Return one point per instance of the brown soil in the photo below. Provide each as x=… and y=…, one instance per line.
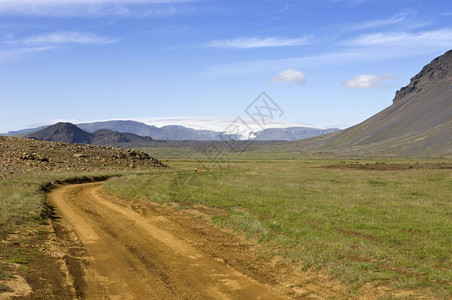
x=122, y=249
x=33, y=271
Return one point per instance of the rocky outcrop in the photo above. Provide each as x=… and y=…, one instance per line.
x=26, y=156
x=439, y=70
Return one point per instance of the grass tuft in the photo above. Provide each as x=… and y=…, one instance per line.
x=5, y=289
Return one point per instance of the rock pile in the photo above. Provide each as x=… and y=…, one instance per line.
x=25, y=156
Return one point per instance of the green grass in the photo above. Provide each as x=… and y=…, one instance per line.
x=391, y=228
x=20, y=255
x=22, y=199
x=5, y=288
x=20, y=203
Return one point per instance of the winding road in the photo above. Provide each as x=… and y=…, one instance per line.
x=119, y=251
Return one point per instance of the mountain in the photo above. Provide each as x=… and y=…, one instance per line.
x=291, y=133
x=23, y=132
x=169, y=132
x=70, y=133
x=105, y=137
x=274, y=131
x=178, y=132
x=121, y=126
x=418, y=123
x=62, y=132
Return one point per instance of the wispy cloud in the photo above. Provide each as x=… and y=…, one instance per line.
x=19, y=48
x=371, y=47
x=59, y=2
x=347, y=53
x=442, y=37
x=261, y=66
x=248, y=43
x=167, y=30
x=9, y=56
x=398, y=18
x=81, y=7
x=352, y=2
x=368, y=81
x=289, y=75
x=64, y=38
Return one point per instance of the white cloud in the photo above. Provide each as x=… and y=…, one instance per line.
x=65, y=37
x=289, y=75
x=366, y=81
x=247, y=43
x=79, y=7
x=442, y=37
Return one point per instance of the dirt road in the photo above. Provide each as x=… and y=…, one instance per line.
x=120, y=250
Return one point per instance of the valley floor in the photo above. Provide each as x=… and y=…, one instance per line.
x=310, y=229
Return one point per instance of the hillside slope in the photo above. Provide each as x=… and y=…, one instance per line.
x=291, y=133
x=62, y=132
x=418, y=123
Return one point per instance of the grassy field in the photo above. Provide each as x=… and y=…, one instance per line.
x=388, y=228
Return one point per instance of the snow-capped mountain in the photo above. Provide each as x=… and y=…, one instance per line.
x=201, y=128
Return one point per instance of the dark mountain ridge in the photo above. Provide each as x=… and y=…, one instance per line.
x=438, y=70
x=62, y=132
x=70, y=133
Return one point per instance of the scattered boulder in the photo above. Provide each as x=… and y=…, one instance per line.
x=24, y=156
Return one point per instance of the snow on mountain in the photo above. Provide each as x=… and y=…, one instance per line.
x=218, y=124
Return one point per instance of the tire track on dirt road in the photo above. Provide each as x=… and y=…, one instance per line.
x=128, y=255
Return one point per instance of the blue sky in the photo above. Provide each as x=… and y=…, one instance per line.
x=329, y=63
